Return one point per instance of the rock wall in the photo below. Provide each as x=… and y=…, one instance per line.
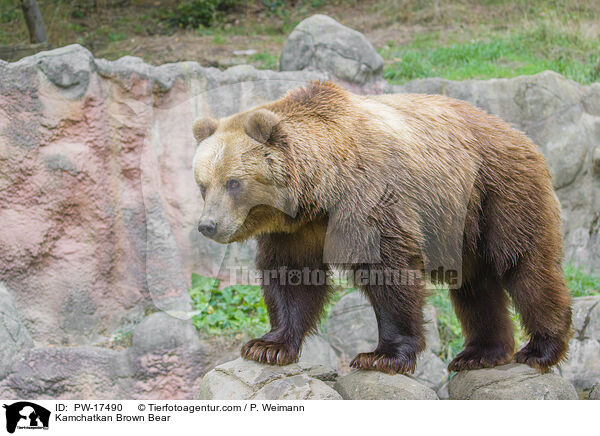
x=98, y=202
x=98, y=205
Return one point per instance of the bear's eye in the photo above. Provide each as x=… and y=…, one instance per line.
x=202, y=191
x=232, y=184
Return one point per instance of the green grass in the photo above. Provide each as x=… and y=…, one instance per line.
x=580, y=283
x=264, y=60
x=510, y=54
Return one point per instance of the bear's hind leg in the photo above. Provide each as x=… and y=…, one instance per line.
x=481, y=306
x=541, y=296
x=399, y=312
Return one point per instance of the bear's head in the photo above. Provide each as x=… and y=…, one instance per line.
x=242, y=176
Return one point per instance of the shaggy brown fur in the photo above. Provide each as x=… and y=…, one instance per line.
x=398, y=182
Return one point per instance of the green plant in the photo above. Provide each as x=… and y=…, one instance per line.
x=448, y=325
x=122, y=336
x=219, y=39
x=8, y=13
x=233, y=309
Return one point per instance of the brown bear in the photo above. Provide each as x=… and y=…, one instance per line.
x=384, y=185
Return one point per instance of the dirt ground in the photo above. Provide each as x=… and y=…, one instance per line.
x=115, y=28
x=252, y=31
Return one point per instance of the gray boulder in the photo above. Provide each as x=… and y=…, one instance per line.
x=509, y=382
x=595, y=392
x=432, y=372
x=374, y=385
x=320, y=372
x=316, y=350
x=320, y=43
x=352, y=329
x=244, y=379
x=166, y=358
x=582, y=367
x=14, y=337
x=162, y=332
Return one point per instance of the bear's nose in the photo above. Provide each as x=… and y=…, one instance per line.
x=207, y=228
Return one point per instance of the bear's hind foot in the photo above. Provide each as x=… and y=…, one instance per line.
x=385, y=362
x=273, y=353
x=542, y=352
x=477, y=357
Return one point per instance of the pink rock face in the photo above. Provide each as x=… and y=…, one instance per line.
x=98, y=205
x=73, y=214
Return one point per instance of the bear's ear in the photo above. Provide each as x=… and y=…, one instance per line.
x=204, y=127
x=259, y=125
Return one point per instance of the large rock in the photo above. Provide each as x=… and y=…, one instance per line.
x=14, y=337
x=244, y=379
x=374, y=385
x=563, y=118
x=582, y=367
x=320, y=43
x=167, y=358
x=509, y=382
x=165, y=361
x=69, y=373
x=316, y=350
x=352, y=329
x=432, y=372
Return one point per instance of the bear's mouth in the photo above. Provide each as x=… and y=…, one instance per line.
x=223, y=237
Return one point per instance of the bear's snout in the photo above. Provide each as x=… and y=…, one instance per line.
x=207, y=227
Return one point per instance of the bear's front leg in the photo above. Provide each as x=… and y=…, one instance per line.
x=295, y=291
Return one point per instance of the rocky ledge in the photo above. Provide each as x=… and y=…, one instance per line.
x=510, y=382
x=243, y=379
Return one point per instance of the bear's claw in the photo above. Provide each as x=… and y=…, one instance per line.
x=477, y=357
x=273, y=353
x=542, y=352
x=384, y=362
